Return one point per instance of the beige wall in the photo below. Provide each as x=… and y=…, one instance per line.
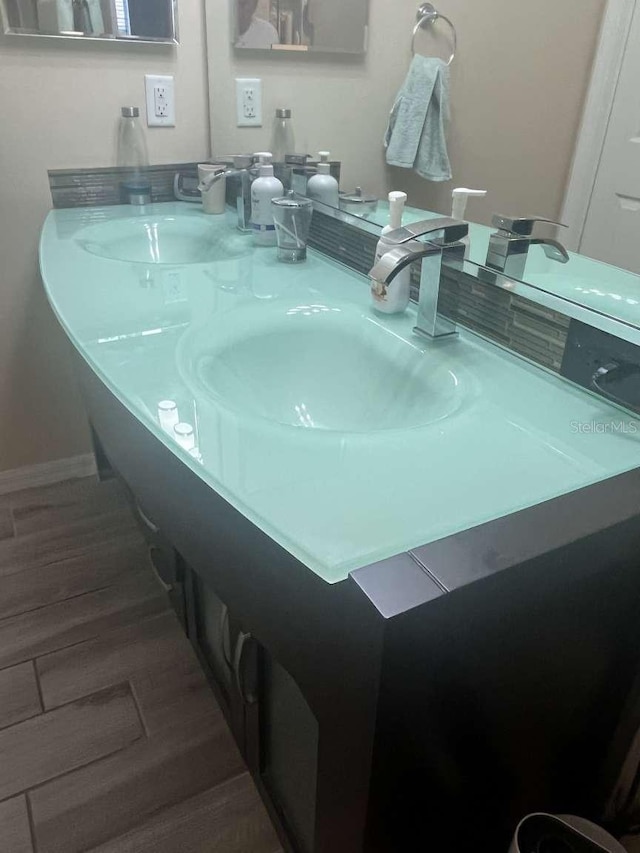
x=518, y=86
x=60, y=103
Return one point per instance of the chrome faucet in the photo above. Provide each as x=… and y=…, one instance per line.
x=242, y=172
x=440, y=247
x=509, y=245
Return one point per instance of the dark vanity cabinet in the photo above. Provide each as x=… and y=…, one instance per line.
x=275, y=729
x=428, y=701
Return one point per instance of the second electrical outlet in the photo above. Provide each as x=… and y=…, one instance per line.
x=249, y=101
x=161, y=105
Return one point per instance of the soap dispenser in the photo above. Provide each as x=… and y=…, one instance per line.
x=323, y=187
x=392, y=298
x=460, y=197
x=265, y=188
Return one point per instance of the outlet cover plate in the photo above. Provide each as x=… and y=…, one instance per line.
x=161, y=103
x=249, y=101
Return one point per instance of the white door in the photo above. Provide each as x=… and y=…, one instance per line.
x=612, y=228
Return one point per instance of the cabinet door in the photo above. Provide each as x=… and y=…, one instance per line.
x=210, y=631
x=289, y=746
x=271, y=721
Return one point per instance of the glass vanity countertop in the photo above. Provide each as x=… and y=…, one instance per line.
x=609, y=290
x=338, y=432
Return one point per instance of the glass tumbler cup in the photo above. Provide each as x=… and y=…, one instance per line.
x=292, y=218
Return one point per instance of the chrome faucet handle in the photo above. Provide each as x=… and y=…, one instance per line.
x=554, y=250
x=206, y=183
x=454, y=230
x=521, y=225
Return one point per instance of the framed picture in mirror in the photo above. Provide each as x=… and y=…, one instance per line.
x=322, y=26
x=111, y=20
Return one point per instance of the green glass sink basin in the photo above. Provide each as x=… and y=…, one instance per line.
x=163, y=240
x=337, y=432
x=321, y=368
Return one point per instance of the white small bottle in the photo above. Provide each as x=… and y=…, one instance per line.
x=392, y=298
x=460, y=197
x=323, y=187
x=265, y=188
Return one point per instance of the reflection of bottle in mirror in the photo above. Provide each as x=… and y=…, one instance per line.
x=392, y=298
x=132, y=145
x=265, y=188
x=282, y=137
x=460, y=197
x=323, y=187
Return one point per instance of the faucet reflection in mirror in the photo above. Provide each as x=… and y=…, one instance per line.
x=330, y=26
x=509, y=246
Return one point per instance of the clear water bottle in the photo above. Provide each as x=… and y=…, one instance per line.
x=132, y=145
x=282, y=137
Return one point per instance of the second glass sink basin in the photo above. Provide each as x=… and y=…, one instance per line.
x=321, y=368
x=169, y=240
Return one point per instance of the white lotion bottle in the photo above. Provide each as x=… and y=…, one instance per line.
x=323, y=187
x=460, y=197
x=265, y=188
x=392, y=298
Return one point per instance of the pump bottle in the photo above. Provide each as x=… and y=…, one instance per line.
x=392, y=298
x=323, y=187
x=265, y=188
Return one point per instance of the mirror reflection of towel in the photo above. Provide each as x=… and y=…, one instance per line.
x=415, y=138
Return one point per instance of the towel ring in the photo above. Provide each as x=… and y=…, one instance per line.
x=428, y=14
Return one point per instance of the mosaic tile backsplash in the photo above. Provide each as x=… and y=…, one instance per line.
x=102, y=187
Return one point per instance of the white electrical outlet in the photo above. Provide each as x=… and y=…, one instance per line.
x=249, y=101
x=161, y=105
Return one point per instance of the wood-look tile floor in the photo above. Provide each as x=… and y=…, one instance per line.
x=110, y=738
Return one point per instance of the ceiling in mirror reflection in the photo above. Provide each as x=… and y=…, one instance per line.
x=328, y=26
x=111, y=20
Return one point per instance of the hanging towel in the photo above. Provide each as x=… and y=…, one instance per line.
x=415, y=138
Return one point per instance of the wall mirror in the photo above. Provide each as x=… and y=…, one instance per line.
x=327, y=26
x=113, y=20
x=563, y=151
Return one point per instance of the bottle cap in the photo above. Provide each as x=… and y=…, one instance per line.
x=130, y=112
x=324, y=156
x=264, y=158
x=283, y=113
x=395, y=197
x=396, y=208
